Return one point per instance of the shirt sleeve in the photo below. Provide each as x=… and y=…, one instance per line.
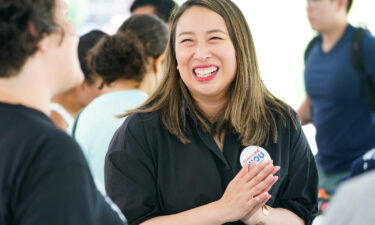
x=300, y=190
x=130, y=172
x=58, y=189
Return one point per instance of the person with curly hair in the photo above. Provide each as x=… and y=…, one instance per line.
x=128, y=63
x=44, y=177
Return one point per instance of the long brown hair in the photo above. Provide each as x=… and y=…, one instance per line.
x=252, y=111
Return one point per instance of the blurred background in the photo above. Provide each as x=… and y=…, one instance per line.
x=280, y=30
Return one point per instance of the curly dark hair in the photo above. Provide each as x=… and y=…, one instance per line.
x=23, y=23
x=151, y=31
x=118, y=56
x=163, y=8
x=126, y=54
x=86, y=43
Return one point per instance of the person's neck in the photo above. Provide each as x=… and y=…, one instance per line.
x=26, y=88
x=333, y=35
x=149, y=83
x=212, y=107
x=69, y=101
x=121, y=85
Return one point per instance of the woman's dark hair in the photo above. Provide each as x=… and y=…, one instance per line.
x=118, y=56
x=23, y=23
x=126, y=54
x=86, y=43
x=150, y=30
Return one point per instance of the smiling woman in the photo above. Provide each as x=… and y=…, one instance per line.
x=176, y=159
x=205, y=55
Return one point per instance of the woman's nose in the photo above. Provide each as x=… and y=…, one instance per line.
x=202, y=52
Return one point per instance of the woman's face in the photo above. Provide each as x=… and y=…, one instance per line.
x=205, y=54
x=62, y=54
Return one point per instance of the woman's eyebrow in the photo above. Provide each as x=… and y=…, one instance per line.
x=216, y=31
x=208, y=32
x=185, y=33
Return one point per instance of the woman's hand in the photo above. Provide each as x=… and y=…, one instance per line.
x=247, y=192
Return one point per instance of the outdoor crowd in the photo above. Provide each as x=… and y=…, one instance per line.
x=147, y=125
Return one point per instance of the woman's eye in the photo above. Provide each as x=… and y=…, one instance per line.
x=186, y=40
x=216, y=38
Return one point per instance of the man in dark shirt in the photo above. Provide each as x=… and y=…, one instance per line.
x=44, y=178
x=335, y=102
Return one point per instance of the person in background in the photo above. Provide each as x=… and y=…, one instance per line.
x=176, y=158
x=128, y=63
x=363, y=164
x=66, y=105
x=161, y=8
x=335, y=102
x=44, y=177
x=353, y=203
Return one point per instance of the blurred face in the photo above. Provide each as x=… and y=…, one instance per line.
x=62, y=56
x=147, y=9
x=322, y=14
x=205, y=54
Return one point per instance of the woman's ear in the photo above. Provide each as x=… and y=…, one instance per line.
x=157, y=64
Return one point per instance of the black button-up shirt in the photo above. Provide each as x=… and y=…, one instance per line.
x=149, y=172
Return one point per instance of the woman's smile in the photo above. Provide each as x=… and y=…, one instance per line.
x=204, y=73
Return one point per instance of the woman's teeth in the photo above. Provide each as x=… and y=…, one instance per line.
x=205, y=72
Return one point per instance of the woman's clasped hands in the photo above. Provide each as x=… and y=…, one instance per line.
x=248, y=192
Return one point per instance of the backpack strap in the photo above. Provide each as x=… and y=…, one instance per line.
x=309, y=46
x=358, y=64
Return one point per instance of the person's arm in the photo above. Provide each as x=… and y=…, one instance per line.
x=296, y=201
x=243, y=196
x=299, y=193
x=304, y=111
x=274, y=216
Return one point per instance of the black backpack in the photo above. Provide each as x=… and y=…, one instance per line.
x=357, y=61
